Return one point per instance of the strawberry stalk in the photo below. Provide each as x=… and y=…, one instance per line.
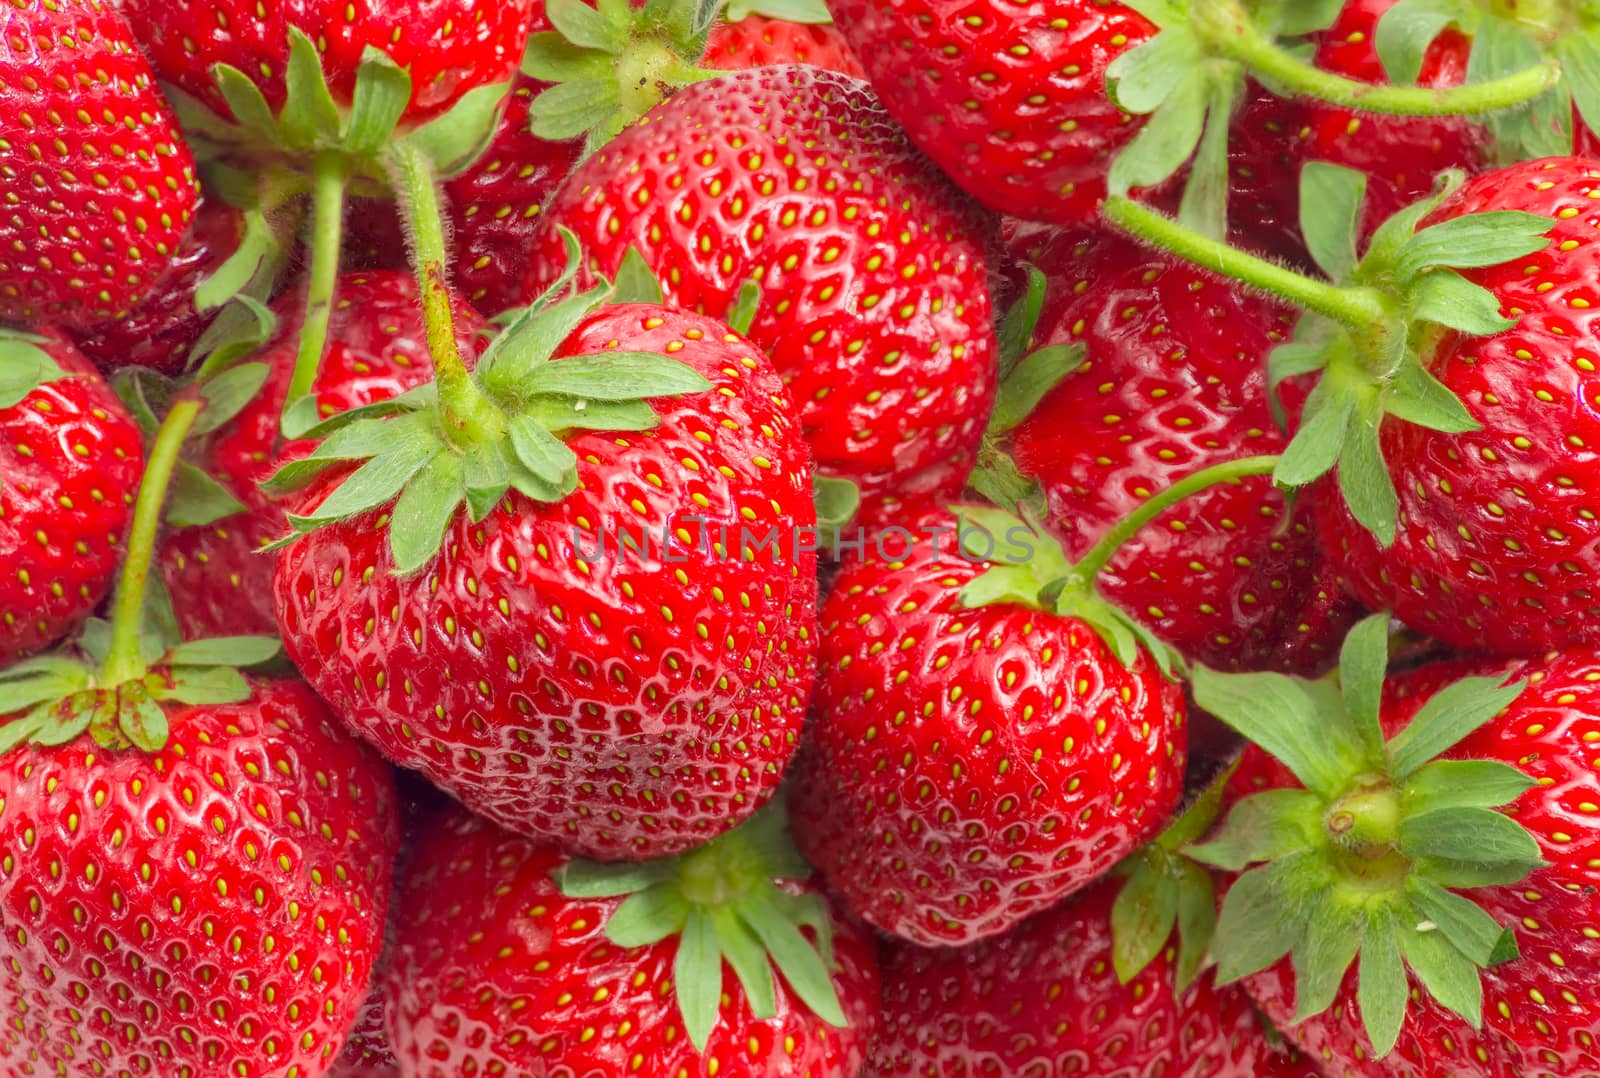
x=330, y=175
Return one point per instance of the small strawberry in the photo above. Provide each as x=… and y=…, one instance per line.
x=513, y=959
x=210, y=563
x=873, y=293
x=99, y=185
x=1174, y=380
x=977, y=750
x=585, y=617
x=70, y=457
x=1412, y=836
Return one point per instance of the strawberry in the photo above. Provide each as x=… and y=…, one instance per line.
x=873, y=298
x=512, y=959
x=592, y=651
x=1046, y=993
x=760, y=41
x=99, y=185
x=70, y=456
x=1388, y=857
x=222, y=585
x=1174, y=380
x=977, y=749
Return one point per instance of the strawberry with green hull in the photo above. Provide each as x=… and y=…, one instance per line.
x=211, y=563
x=195, y=863
x=724, y=963
x=96, y=208
x=69, y=456
x=873, y=299
x=1173, y=380
x=1455, y=797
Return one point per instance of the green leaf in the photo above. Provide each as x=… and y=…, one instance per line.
x=1381, y=990
x=18, y=730
x=1296, y=721
x=1315, y=448
x=226, y=651
x=486, y=476
x=1197, y=923
x=1167, y=140
x=24, y=367
x=586, y=27
x=44, y=687
x=1468, y=834
x=1460, y=920
x=561, y=414
x=1446, y=974
x=1457, y=783
x=257, y=245
x=1141, y=79
x=1142, y=918
x=1406, y=31
x=597, y=879
x=1396, y=232
x=511, y=359
x=749, y=961
x=1323, y=956
x=64, y=723
x=1363, y=664
x=1264, y=827
x=158, y=631
x=1448, y=299
x=240, y=328
x=635, y=281
x=616, y=376
x=742, y=315
x=1465, y=875
x=1449, y=715
x=1296, y=18
x=647, y=917
x=1307, y=353
x=227, y=394
x=1364, y=477
x=541, y=452
x=1478, y=239
x=309, y=116
x=1579, y=53
x=424, y=511
x=196, y=685
x=459, y=137
x=837, y=500
x=1017, y=325
x=1204, y=207
x=144, y=723
x=795, y=956
x=382, y=93
x=379, y=479
x=549, y=57
x=248, y=104
x=569, y=109
x=1259, y=922
x=697, y=978
x=94, y=639
x=196, y=499
x=802, y=11
x=1030, y=380
x=1330, y=215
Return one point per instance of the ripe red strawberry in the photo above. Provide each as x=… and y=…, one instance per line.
x=99, y=184
x=624, y=704
x=221, y=585
x=70, y=458
x=977, y=750
x=1033, y=136
x=497, y=971
x=1538, y=1013
x=214, y=907
x=874, y=294
x=760, y=41
x=161, y=330
x=449, y=47
x=1173, y=381
x=1045, y=995
x=1495, y=546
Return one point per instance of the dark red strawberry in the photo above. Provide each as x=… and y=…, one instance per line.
x=873, y=286
x=977, y=751
x=1045, y=996
x=99, y=184
x=759, y=41
x=1174, y=380
x=1418, y=866
x=615, y=654
x=70, y=458
x=160, y=332
x=511, y=959
x=221, y=585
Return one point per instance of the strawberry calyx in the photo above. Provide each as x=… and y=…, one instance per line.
x=1366, y=330
x=801, y=11
x=471, y=436
x=1363, y=862
x=724, y=904
x=24, y=365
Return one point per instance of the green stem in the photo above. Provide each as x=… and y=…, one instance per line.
x=1359, y=308
x=469, y=416
x=1100, y=555
x=1226, y=30
x=124, y=662
x=329, y=179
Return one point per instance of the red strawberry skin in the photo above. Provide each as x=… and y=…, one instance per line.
x=966, y=768
x=1174, y=382
x=1497, y=538
x=875, y=303
x=1539, y=1011
x=1009, y=99
x=70, y=460
x=160, y=332
x=497, y=972
x=1044, y=999
x=624, y=706
x=99, y=184
x=449, y=47
x=759, y=41
x=214, y=908
x=377, y=350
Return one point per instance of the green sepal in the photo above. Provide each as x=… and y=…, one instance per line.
x=1300, y=723
x=1381, y=987
x=615, y=376
x=802, y=11
x=248, y=104
x=227, y=394
x=1363, y=664
x=309, y=116
x=1462, y=921
x=550, y=57
x=837, y=500
x=382, y=93
x=1030, y=380
x=1469, y=834
x=1474, y=240
x=1016, y=327
x=998, y=479
x=1464, y=783
x=1449, y=715
x=1330, y=216
x=225, y=651
x=584, y=26
x=746, y=305
x=1449, y=299
x=1446, y=974
x=259, y=247
x=1204, y=205
x=1263, y=827
x=423, y=511
x=41, y=680
x=24, y=366
x=1167, y=139
x=380, y=478
x=1579, y=54
x=1324, y=952
x=196, y=499
x=458, y=138
x=1364, y=478
x=205, y=685
x=242, y=327
x=1261, y=919
x=569, y=110
x=1408, y=29
x=635, y=281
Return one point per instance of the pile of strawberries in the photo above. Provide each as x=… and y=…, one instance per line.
x=682, y=538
